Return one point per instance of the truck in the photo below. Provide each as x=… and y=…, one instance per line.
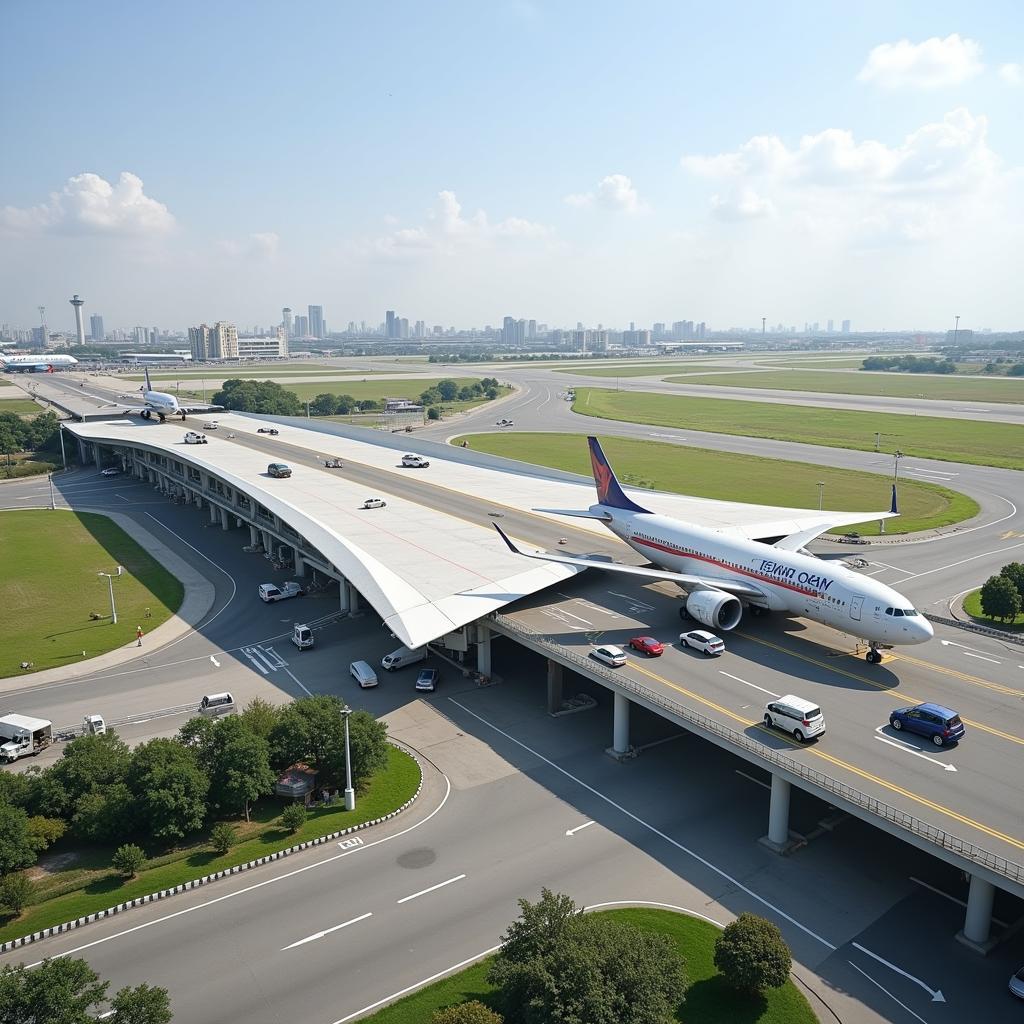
x=270, y=592
x=22, y=736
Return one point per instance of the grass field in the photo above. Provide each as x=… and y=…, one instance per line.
x=249, y=370
x=362, y=390
x=928, y=437
x=888, y=385
x=732, y=477
x=972, y=605
x=815, y=362
x=48, y=587
x=644, y=370
x=88, y=884
x=709, y=1000
x=21, y=406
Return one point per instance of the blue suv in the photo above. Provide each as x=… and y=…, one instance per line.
x=939, y=724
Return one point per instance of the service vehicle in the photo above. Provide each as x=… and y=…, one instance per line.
x=279, y=469
x=795, y=715
x=334, y=464
x=504, y=423
x=614, y=656
x=193, y=438
x=110, y=471
x=363, y=674
x=273, y=431
x=23, y=736
x=374, y=503
x=426, y=680
x=212, y=425
x=939, y=724
x=702, y=640
x=217, y=704
x=270, y=592
x=93, y=725
x=302, y=636
x=403, y=657
x=415, y=462
x=647, y=645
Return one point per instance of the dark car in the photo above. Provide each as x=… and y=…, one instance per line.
x=940, y=725
x=268, y=430
x=426, y=680
x=278, y=469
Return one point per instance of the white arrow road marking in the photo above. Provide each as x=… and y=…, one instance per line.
x=326, y=931
x=964, y=647
x=909, y=748
x=981, y=657
x=578, y=828
x=216, y=663
x=423, y=892
x=752, y=685
x=887, y=992
x=935, y=993
x=248, y=652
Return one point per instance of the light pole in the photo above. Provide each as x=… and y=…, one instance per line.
x=350, y=793
x=956, y=329
x=878, y=440
x=307, y=408
x=896, y=456
x=63, y=456
x=49, y=480
x=111, y=576
x=821, y=491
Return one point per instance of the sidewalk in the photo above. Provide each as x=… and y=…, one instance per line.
x=198, y=600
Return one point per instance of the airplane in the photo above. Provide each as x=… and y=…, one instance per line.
x=37, y=363
x=721, y=575
x=164, y=404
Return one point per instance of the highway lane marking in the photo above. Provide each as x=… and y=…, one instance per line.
x=578, y=828
x=650, y=828
x=634, y=603
x=949, y=896
x=936, y=994
x=963, y=647
x=257, y=885
x=887, y=992
x=578, y=618
x=433, y=888
x=957, y=674
x=752, y=685
x=248, y=652
x=911, y=749
x=963, y=561
x=326, y=931
x=981, y=657
x=757, y=782
x=298, y=682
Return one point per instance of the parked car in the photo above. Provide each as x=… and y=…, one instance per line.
x=374, y=503
x=333, y=464
x=415, y=462
x=193, y=438
x=933, y=721
x=795, y=715
x=504, y=423
x=270, y=592
x=279, y=469
x=702, y=640
x=614, y=656
x=646, y=645
x=212, y=425
x=1017, y=984
x=363, y=674
x=426, y=680
x=273, y=431
x=110, y=471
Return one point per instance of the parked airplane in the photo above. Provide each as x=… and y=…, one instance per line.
x=722, y=574
x=164, y=404
x=37, y=363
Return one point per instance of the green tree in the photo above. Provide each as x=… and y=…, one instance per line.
x=17, y=848
x=430, y=397
x=15, y=892
x=222, y=837
x=325, y=404
x=146, y=1004
x=368, y=748
x=86, y=787
x=169, y=788
x=344, y=404
x=433, y=413
x=260, y=717
x=752, y=955
x=44, y=832
x=309, y=730
x=241, y=771
x=259, y=396
x=293, y=817
x=59, y=991
x=128, y=859
x=1000, y=599
x=473, y=1012
x=1014, y=572
x=448, y=389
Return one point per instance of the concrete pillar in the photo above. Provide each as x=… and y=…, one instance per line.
x=97, y=456
x=353, y=598
x=777, y=839
x=554, y=687
x=254, y=536
x=268, y=542
x=978, y=919
x=483, y=650
x=300, y=565
x=620, y=725
x=224, y=525
x=83, y=452
x=343, y=594
x=213, y=513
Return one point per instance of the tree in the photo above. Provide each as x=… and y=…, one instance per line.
x=86, y=787
x=309, y=730
x=325, y=404
x=1014, y=572
x=236, y=760
x=1000, y=599
x=17, y=848
x=146, y=1004
x=128, y=859
x=430, y=397
x=59, y=991
x=260, y=717
x=433, y=413
x=752, y=954
x=169, y=788
x=15, y=891
x=473, y=1012
x=222, y=837
x=44, y=832
x=559, y=964
x=368, y=749
x=448, y=389
x=293, y=817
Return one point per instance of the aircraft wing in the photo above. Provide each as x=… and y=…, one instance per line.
x=684, y=580
x=189, y=409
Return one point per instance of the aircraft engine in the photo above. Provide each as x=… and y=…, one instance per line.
x=713, y=608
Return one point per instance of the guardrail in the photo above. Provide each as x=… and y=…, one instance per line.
x=975, y=627
x=999, y=865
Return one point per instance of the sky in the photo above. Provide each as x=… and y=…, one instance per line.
x=560, y=161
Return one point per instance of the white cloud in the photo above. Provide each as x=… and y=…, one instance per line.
x=89, y=204
x=613, y=192
x=744, y=204
x=259, y=245
x=929, y=65
x=1012, y=74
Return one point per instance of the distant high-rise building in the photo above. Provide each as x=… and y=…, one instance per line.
x=96, y=327
x=846, y=327
x=403, y=327
x=420, y=329
x=223, y=340
x=702, y=330
x=580, y=339
x=140, y=335
x=316, y=321
x=78, y=303
x=390, y=331
x=301, y=327
x=286, y=321
x=658, y=331
x=531, y=328
x=199, y=342
x=831, y=328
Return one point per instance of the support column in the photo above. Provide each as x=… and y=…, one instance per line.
x=343, y=594
x=254, y=536
x=300, y=565
x=353, y=598
x=554, y=687
x=213, y=513
x=224, y=525
x=83, y=452
x=268, y=543
x=978, y=919
x=620, y=748
x=777, y=839
x=97, y=457
x=483, y=650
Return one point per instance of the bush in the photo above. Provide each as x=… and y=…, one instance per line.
x=294, y=817
x=15, y=892
x=473, y=1012
x=128, y=859
x=222, y=837
x=752, y=955
x=433, y=413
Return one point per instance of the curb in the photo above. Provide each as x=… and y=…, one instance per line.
x=67, y=926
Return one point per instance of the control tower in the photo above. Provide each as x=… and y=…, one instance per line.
x=79, y=325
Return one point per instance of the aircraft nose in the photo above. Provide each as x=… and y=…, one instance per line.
x=922, y=630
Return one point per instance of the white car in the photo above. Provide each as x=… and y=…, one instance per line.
x=270, y=592
x=614, y=656
x=504, y=423
x=193, y=438
x=415, y=462
x=1017, y=984
x=210, y=426
x=702, y=640
x=795, y=715
x=374, y=503
x=110, y=471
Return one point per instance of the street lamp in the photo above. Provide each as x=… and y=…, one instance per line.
x=896, y=456
x=63, y=456
x=350, y=793
x=956, y=329
x=111, y=576
x=821, y=491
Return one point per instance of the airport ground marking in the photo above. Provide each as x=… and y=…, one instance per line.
x=753, y=685
x=909, y=748
x=326, y=931
x=432, y=888
x=887, y=992
x=963, y=676
x=578, y=828
x=935, y=993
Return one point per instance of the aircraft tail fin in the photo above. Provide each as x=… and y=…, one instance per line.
x=149, y=386
x=609, y=493
x=894, y=507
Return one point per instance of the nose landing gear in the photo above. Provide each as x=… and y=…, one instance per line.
x=874, y=654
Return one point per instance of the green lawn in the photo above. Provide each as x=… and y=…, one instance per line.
x=226, y=372
x=733, y=477
x=88, y=884
x=48, y=587
x=889, y=385
x=708, y=999
x=972, y=605
x=645, y=370
x=21, y=406
x=928, y=437
x=815, y=362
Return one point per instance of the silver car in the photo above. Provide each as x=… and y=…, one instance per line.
x=1017, y=984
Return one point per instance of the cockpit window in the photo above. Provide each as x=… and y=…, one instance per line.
x=910, y=612
x=888, y=611
x=897, y=612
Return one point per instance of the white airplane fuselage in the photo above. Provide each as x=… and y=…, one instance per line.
x=159, y=402
x=788, y=580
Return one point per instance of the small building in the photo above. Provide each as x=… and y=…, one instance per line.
x=296, y=781
x=401, y=405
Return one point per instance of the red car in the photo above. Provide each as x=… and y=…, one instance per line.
x=647, y=645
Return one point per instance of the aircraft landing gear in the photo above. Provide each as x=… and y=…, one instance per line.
x=146, y=414
x=874, y=655
x=683, y=613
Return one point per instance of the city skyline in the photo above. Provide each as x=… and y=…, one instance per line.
x=872, y=174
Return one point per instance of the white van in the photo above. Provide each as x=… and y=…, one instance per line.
x=361, y=672
x=402, y=657
x=217, y=704
x=795, y=715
